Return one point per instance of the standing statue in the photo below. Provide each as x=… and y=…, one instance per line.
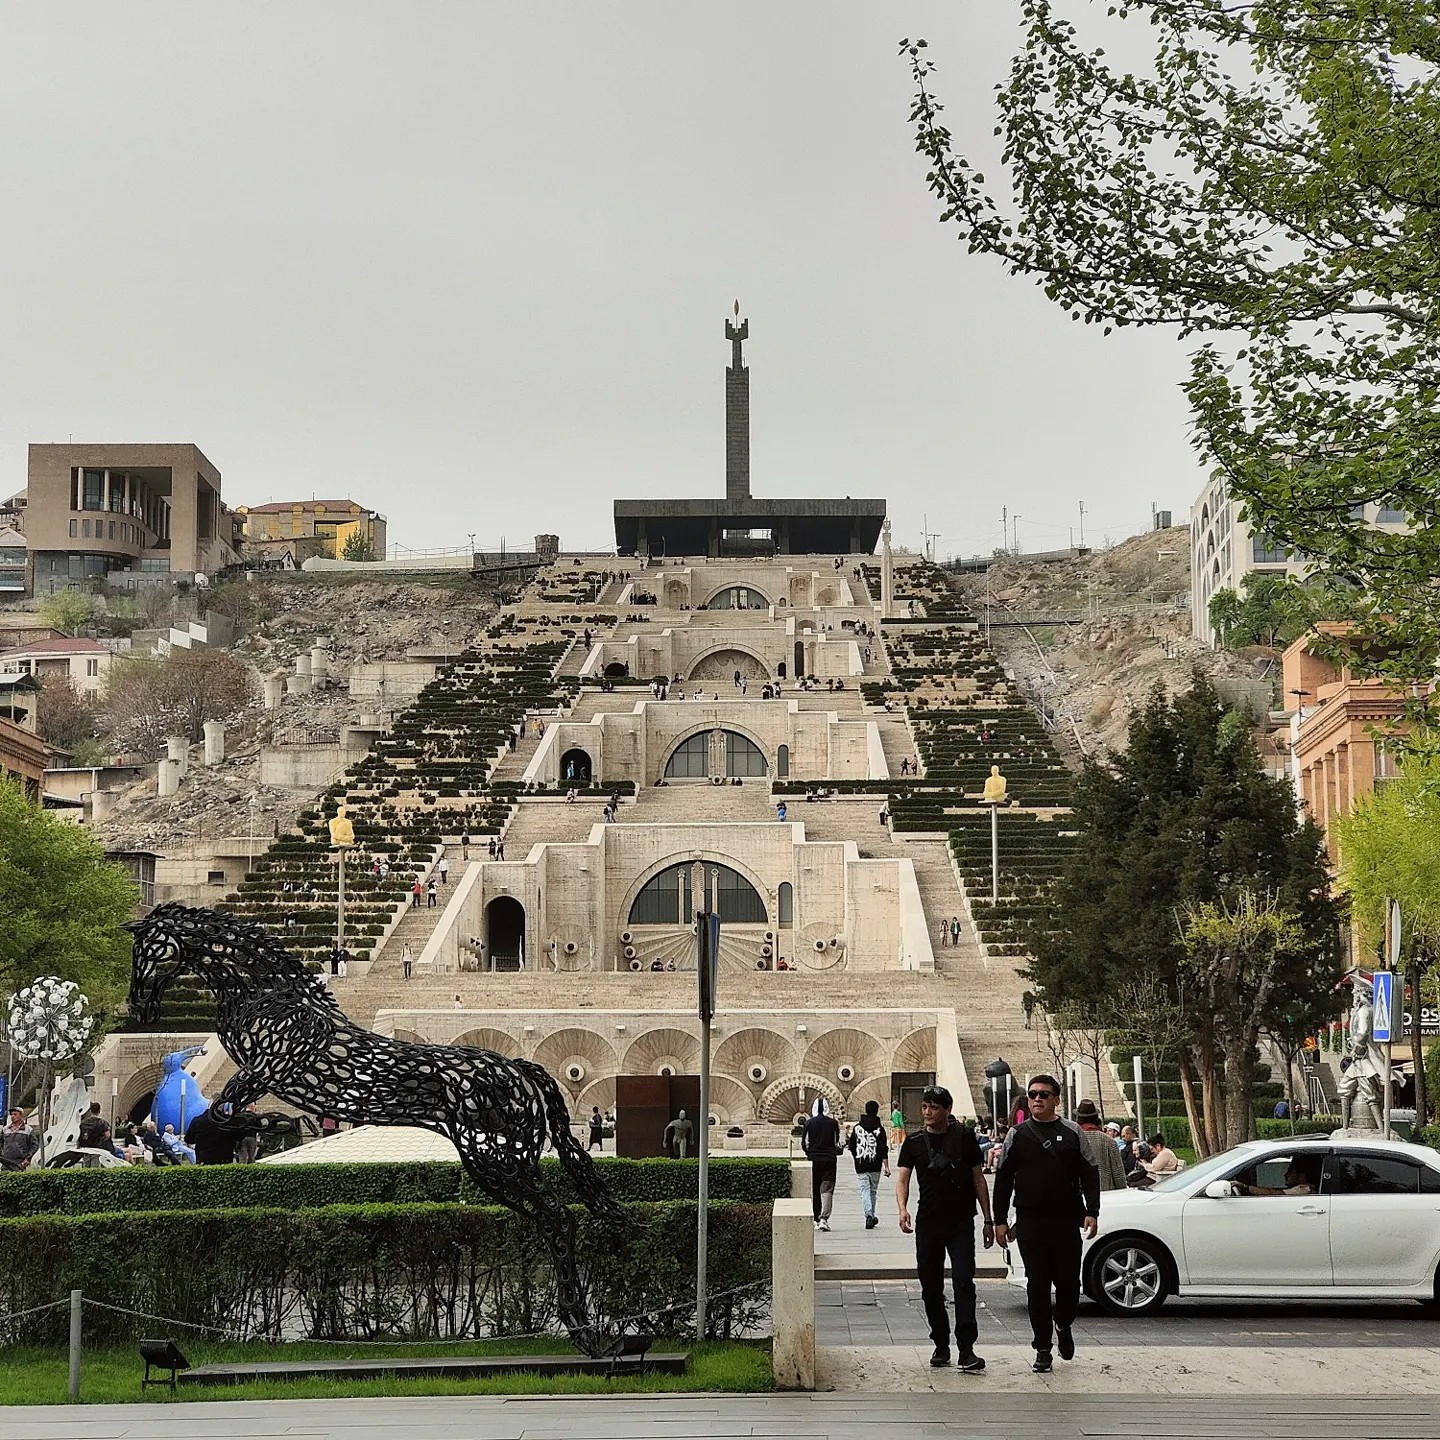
x=1362, y=1079
x=287, y=1036
x=678, y=1134
x=178, y=1100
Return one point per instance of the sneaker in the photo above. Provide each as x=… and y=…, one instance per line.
x=817, y=1227
x=940, y=1358
x=824, y=1224
x=1065, y=1343
x=970, y=1363
x=871, y=1222
x=1043, y=1363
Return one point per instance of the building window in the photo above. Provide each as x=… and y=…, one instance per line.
x=93, y=495
x=92, y=669
x=691, y=760
x=1264, y=551
x=1390, y=515
x=786, y=903
x=74, y=529
x=117, y=494
x=665, y=898
x=743, y=757
x=85, y=529
x=215, y=877
x=111, y=523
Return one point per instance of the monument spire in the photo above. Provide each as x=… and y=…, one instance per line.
x=737, y=413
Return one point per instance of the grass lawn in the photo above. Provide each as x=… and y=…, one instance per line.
x=110, y=1376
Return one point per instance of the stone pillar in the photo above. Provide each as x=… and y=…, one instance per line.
x=274, y=691
x=792, y=1250
x=319, y=664
x=301, y=682
x=887, y=574
x=737, y=415
x=101, y=804
x=214, y=741
x=179, y=750
x=167, y=779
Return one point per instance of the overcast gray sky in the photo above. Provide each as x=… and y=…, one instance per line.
x=469, y=263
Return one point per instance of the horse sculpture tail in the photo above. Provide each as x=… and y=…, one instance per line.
x=576, y=1159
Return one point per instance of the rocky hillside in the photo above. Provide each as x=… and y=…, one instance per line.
x=1107, y=627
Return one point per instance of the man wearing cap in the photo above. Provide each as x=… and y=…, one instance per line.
x=17, y=1142
x=1046, y=1166
x=1103, y=1151
x=946, y=1156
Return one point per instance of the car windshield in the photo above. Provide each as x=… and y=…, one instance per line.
x=1202, y=1171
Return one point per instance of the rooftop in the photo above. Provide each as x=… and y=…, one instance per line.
x=281, y=506
x=66, y=645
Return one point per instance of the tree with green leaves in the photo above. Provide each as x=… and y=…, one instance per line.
x=1264, y=185
x=1185, y=816
x=67, y=611
x=357, y=546
x=1272, y=608
x=63, y=904
x=1390, y=850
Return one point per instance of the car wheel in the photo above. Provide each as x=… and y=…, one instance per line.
x=1128, y=1277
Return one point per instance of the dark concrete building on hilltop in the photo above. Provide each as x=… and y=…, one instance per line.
x=742, y=524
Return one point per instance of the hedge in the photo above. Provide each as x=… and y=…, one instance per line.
x=418, y=1272
x=204, y=1187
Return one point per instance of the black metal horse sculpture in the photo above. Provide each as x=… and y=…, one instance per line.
x=283, y=1029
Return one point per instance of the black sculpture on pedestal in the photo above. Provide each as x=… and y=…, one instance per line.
x=283, y=1029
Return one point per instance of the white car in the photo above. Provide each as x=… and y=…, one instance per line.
x=1311, y=1218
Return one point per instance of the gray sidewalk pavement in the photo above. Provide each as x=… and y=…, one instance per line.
x=973, y=1415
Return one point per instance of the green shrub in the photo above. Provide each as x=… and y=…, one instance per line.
x=1280, y=1129
x=206, y=1187
x=373, y=1271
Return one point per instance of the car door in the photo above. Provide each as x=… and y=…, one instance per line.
x=1253, y=1242
x=1384, y=1218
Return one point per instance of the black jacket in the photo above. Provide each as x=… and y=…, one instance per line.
x=871, y=1125
x=821, y=1140
x=1056, y=1178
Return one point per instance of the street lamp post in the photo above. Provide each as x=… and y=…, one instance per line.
x=994, y=797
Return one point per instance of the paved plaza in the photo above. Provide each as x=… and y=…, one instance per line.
x=1125, y=1411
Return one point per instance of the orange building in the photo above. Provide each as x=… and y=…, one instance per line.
x=1340, y=714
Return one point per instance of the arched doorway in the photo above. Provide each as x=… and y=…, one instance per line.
x=782, y=762
x=576, y=767
x=616, y=669
x=738, y=597
x=799, y=658
x=505, y=932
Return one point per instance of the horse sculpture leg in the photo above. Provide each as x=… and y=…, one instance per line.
x=520, y=1190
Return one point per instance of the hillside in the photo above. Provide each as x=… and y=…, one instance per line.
x=1105, y=628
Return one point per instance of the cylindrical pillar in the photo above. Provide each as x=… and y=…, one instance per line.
x=298, y=684
x=214, y=741
x=302, y=665
x=101, y=804
x=274, y=691
x=178, y=748
x=319, y=664
x=167, y=779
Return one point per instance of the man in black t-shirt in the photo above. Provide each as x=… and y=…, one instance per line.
x=1046, y=1166
x=946, y=1157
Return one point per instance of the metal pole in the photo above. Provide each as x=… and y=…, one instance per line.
x=340, y=905
x=75, y=1312
x=994, y=854
x=702, y=1234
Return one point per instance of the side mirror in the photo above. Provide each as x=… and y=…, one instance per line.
x=1220, y=1189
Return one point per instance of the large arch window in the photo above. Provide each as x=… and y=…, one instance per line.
x=743, y=756
x=738, y=597
x=666, y=897
x=691, y=760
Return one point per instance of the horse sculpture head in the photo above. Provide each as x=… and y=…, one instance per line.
x=159, y=959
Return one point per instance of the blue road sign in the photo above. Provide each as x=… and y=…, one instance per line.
x=1382, y=1000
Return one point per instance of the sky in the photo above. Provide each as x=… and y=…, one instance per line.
x=469, y=264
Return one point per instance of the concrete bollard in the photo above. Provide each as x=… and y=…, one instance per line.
x=319, y=664
x=214, y=741
x=274, y=691
x=167, y=779
x=792, y=1274
x=302, y=665
x=801, y=1172
x=298, y=685
x=179, y=751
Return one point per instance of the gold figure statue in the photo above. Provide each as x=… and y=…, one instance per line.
x=994, y=787
x=342, y=832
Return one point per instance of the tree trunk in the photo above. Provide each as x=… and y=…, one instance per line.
x=1239, y=1101
x=1192, y=1114
x=1210, y=1094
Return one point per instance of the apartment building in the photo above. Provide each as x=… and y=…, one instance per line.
x=293, y=531
x=83, y=662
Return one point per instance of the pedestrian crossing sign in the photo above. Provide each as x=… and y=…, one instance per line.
x=1382, y=1002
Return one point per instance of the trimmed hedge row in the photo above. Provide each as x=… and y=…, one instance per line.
x=425, y=1272
x=296, y=1187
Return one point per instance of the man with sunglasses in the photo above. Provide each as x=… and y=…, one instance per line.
x=946, y=1156
x=1046, y=1166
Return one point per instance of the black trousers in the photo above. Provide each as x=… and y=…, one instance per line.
x=932, y=1244
x=1050, y=1247
x=822, y=1178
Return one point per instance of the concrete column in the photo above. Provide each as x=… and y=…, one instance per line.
x=102, y=802
x=179, y=748
x=214, y=741
x=302, y=665
x=298, y=684
x=792, y=1261
x=167, y=779
x=319, y=664
x=274, y=691
x=887, y=574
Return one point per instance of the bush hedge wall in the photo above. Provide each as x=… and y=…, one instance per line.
x=418, y=1272
x=205, y=1187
